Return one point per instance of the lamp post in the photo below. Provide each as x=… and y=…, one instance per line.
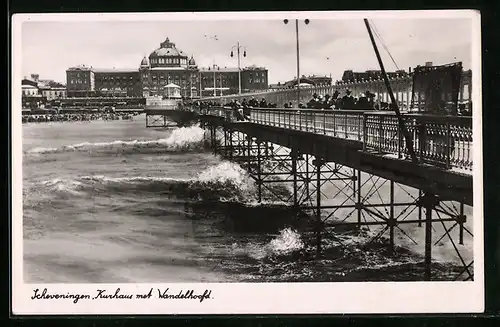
x=306, y=21
x=238, y=47
x=201, y=90
x=213, y=38
x=215, y=86
x=190, y=86
x=220, y=83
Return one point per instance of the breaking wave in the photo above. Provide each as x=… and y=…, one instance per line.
x=287, y=241
x=181, y=139
x=224, y=182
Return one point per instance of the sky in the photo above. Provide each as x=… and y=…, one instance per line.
x=327, y=46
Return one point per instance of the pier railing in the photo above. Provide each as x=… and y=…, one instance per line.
x=444, y=141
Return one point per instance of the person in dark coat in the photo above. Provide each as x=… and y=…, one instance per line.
x=328, y=102
x=253, y=103
x=318, y=104
x=263, y=103
x=313, y=102
x=362, y=103
x=244, y=103
x=348, y=100
x=371, y=100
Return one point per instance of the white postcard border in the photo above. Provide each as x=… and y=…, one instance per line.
x=261, y=298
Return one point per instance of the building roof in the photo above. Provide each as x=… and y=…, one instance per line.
x=113, y=70
x=80, y=67
x=349, y=75
x=318, y=77
x=144, y=61
x=27, y=81
x=192, y=62
x=167, y=49
x=222, y=70
x=48, y=83
x=49, y=88
x=163, y=52
x=277, y=86
x=254, y=67
x=29, y=87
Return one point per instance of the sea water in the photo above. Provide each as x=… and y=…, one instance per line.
x=109, y=202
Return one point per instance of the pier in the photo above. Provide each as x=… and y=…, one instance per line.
x=384, y=169
x=364, y=158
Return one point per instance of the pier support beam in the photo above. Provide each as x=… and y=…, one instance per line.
x=294, y=155
x=429, y=201
x=391, y=221
x=318, y=163
x=259, y=171
x=357, y=194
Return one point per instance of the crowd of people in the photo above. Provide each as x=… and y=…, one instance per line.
x=366, y=101
x=252, y=103
x=45, y=118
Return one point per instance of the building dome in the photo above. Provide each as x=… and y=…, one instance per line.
x=145, y=62
x=167, y=55
x=167, y=49
x=192, y=62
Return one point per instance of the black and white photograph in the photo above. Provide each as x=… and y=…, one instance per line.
x=257, y=150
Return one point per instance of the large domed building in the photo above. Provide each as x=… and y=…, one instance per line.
x=165, y=65
x=169, y=65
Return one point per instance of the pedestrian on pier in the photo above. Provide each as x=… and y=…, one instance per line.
x=253, y=103
x=348, y=101
x=313, y=103
x=328, y=102
x=263, y=103
x=244, y=103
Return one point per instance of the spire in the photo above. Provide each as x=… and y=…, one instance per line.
x=167, y=44
x=192, y=62
x=145, y=62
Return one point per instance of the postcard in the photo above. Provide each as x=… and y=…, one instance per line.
x=247, y=163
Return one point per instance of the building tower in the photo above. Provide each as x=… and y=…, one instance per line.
x=168, y=65
x=194, y=78
x=145, y=76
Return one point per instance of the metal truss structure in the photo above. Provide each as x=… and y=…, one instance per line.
x=337, y=196
x=157, y=120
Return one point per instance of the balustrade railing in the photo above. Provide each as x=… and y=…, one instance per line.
x=444, y=141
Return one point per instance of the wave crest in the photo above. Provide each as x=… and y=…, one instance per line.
x=180, y=139
x=222, y=182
